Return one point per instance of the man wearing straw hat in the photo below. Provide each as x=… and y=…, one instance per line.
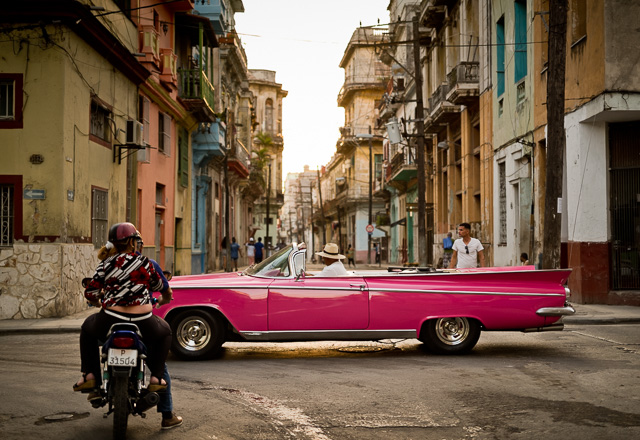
x=331, y=258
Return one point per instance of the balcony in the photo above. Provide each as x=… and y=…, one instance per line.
x=149, y=45
x=168, y=67
x=196, y=93
x=402, y=167
x=354, y=83
x=441, y=111
x=208, y=142
x=463, y=83
x=239, y=160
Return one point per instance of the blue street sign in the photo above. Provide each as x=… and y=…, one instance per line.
x=33, y=194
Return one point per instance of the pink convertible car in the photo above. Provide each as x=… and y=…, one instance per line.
x=276, y=301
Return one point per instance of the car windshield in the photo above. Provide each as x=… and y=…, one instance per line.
x=276, y=265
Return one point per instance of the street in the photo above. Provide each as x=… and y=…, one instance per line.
x=577, y=384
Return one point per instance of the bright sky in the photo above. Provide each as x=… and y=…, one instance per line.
x=303, y=42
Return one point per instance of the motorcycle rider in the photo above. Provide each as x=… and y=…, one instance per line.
x=165, y=406
x=122, y=286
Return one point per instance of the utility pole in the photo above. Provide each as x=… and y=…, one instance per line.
x=370, y=197
x=422, y=186
x=324, y=236
x=313, y=236
x=555, y=137
x=301, y=207
x=266, y=239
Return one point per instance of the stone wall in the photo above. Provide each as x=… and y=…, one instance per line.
x=43, y=280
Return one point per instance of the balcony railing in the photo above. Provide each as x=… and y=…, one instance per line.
x=194, y=84
x=467, y=72
x=438, y=96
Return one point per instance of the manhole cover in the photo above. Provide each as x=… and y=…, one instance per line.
x=61, y=417
x=58, y=417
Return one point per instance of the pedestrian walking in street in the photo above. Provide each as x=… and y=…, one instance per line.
x=259, y=250
x=235, y=252
x=467, y=251
x=447, y=244
x=251, y=251
x=350, y=259
x=223, y=253
x=376, y=247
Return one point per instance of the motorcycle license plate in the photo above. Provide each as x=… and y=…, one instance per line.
x=121, y=357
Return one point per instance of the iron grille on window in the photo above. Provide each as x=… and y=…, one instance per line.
x=503, y=202
x=99, y=217
x=6, y=100
x=6, y=215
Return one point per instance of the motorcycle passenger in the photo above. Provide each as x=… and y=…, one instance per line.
x=122, y=286
x=165, y=405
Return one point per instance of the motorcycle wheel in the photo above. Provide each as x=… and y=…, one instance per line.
x=120, y=407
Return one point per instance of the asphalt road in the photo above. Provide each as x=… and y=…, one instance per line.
x=578, y=384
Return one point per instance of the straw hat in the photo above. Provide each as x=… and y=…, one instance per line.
x=331, y=251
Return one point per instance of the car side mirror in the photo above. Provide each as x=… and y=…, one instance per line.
x=300, y=275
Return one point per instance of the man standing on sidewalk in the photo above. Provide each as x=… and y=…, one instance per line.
x=466, y=249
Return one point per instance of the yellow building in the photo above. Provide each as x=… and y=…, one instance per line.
x=69, y=82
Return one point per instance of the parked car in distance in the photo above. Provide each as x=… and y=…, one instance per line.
x=276, y=301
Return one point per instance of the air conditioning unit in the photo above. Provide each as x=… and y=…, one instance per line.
x=135, y=133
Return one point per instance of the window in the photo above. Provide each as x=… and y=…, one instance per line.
x=10, y=100
x=520, y=38
x=500, y=55
x=159, y=194
x=502, y=181
x=377, y=159
x=268, y=116
x=99, y=216
x=578, y=20
x=164, y=133
x=100, y=118
x=144, y=117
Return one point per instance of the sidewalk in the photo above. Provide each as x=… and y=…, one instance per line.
x=586, y=314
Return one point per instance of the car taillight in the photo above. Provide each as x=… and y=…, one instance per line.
x=123, y=342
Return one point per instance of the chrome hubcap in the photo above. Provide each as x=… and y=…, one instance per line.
x=452, y=331
x=193, y=334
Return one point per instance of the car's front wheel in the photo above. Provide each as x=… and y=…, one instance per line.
x=196, y=335
x=450, y=335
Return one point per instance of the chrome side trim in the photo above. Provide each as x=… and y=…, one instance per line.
x=556, y=311
x=469, y=292
x=329, y=335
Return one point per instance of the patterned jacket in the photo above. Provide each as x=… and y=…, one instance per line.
x=125, y=280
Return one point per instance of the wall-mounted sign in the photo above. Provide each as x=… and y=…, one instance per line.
x=33, y=194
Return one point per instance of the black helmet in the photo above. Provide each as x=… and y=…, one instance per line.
x=122, y=231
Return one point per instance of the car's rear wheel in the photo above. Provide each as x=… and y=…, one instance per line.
x=450, y=335
x=196, y=335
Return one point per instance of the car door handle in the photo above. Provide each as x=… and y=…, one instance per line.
x=359, y=286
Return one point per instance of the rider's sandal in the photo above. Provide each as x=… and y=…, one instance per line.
x=87, y=385
x=157, y=387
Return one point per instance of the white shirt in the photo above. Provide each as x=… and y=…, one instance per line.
x=334, y=270
x=250, y=250
x=465, y=259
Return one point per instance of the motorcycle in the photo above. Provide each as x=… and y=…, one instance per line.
x=123, y=386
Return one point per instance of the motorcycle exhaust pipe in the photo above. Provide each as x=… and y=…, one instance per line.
x=147, y=402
